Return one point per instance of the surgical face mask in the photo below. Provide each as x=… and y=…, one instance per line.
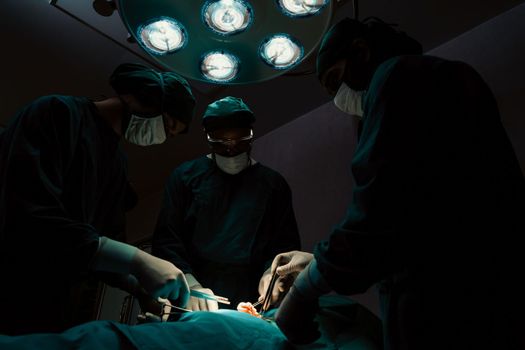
x=349, y=100
x=145, y=131
x=233, y=165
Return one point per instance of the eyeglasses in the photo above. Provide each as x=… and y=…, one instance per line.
x=230, y=142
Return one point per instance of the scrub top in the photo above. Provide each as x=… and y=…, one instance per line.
x=225, y=229
x=63, y=183
x=437, y=211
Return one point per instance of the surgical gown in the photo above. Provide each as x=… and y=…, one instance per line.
x=63, y=183
x=437, y=212
x=225, y=229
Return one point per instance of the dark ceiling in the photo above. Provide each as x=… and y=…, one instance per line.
x=45, y=51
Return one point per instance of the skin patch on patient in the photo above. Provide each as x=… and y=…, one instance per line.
x=249, y=309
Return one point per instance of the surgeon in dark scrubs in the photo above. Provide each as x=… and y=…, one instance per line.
x=64, y=190
x=438, y=203
x=225, y=215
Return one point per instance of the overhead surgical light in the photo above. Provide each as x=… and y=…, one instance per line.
x=228, y=41
x=281, y=51
x=301, y=8
x=162, y=36
x=219, y=66
x=227, y=16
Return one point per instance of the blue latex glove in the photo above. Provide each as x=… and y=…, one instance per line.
x=296, y=315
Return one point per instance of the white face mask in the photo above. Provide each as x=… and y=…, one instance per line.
x=349, y=100
x=145, y=131
x=233, y=165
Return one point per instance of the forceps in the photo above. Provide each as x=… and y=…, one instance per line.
x=201, y=295
x=268, y=296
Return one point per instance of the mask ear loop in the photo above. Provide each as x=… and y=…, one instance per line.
x=250, y=150
x=161, y=78
x=162, y=88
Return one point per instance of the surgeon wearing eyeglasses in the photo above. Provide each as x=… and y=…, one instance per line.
x=225, y=215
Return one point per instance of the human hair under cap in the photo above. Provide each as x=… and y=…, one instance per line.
x=228, y=112
x=384, y=40
x=168, y=90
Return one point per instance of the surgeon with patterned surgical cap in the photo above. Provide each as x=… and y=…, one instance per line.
x=63, y=193
x=225, y=215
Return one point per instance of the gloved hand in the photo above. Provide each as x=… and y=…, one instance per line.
x=291, y=262
x=153, y=310
x=159, y=308
x=282, y=285
x=296, y=314
x=199, y=304
x=160, y=278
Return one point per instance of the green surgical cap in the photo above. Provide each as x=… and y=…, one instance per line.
x=228, y=112
x=336, y=43
x=165, y=89
x=382, y=37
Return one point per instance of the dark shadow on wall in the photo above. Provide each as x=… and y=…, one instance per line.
x=496, y=50
x=314, y=153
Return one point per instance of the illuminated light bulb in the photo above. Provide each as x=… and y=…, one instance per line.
x=162, y=36
x=301, y=8
x=219, y=66
x=281, y=52
x=227, y=16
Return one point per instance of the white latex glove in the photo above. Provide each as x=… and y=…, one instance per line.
x=160, y=278
x=291, y=262
x=199, y=304
x=281, y=286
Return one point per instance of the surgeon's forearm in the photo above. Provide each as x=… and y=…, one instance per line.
x=114, y=256
x=310, y=283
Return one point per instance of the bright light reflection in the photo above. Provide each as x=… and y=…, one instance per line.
x=227, y=16
x=220, y=67
x=163, y=36
x=281, y=52
x=302, y=7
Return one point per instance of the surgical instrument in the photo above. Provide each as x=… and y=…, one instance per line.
x=268, y=296
x=201, y=295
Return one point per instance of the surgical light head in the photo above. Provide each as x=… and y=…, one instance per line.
x=219, y=41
